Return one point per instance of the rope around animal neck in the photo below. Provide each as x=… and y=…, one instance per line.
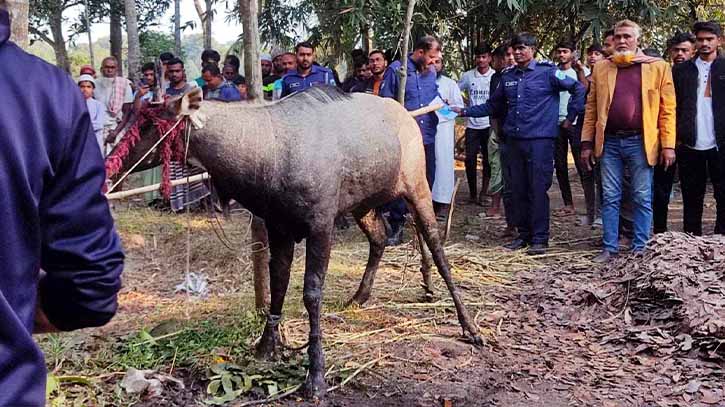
x=162, y=138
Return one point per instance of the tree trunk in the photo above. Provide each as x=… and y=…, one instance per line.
x=18, y=10
x=116, y=37
x=205, y=21
x=367, y=38
x=87, y=17
x=249, y=11
x=404, y=56
x=134, y=48
x=61, y=54
x=177, y=27
x=207, y=24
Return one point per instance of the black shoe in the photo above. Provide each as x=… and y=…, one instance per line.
x=516, y=244
x=395, y=238
x=604, y=257
x=537, y=249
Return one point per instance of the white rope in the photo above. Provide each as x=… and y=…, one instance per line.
x=145, y=155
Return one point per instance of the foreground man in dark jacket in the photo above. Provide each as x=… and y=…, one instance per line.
x=53, y=217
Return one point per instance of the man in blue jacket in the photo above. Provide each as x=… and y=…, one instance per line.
x=54, y=218
x=307, y=74
x=420, y=90
x=529, y=94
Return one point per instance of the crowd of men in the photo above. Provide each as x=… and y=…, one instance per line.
x=624, y=112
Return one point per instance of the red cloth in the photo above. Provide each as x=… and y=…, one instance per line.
x=625, y=111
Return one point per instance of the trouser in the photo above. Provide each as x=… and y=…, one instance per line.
x=695, y=165
x=618, y=153
x=625, y=208
x=506, y=194
x=532, y=168
x=397, y=208
x=661, y=191
x=476, y=141
x=572, y=136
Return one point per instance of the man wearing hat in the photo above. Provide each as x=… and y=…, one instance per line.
x=96, y=109
x=269, y=77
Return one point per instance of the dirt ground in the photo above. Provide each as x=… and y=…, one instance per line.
x=545, y=344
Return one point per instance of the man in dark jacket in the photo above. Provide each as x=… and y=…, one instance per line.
x=54, y=217
x=700, y=90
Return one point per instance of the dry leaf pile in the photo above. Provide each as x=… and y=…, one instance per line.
x=676, y=290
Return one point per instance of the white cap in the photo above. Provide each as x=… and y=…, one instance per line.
x=265, y=57
x=86, y=78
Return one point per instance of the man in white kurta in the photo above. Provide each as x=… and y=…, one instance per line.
x=450, y=94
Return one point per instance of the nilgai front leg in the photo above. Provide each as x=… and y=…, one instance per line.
x=260, y=263
x=318, y=256
x=282, y=253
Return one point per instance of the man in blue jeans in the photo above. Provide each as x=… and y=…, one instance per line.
x=529, y=96
x=629, y=121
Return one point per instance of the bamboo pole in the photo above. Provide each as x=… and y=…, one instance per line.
x=155, y=187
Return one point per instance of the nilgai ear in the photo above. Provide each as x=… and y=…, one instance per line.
x=187, y=104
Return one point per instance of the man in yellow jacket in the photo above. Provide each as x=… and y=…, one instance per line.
x=629, y=121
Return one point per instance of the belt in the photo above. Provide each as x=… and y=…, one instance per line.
x=623, y=133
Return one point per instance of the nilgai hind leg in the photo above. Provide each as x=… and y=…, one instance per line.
x=282, y=252
x=422, y=209
x=371, y=223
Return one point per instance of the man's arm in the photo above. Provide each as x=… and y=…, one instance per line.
x=389, y=87
x=589, y=125
x=80, y=250
x=495, y=105
x=576, y=102
x=667, y=115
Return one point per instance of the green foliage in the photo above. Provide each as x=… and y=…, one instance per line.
x=228, y=381
x=191, y=346
x=153, y=43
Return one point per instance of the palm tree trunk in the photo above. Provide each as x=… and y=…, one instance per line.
x=18, y=10
x=134, y=48
x=404, y=56
x=116, y=36
x=249, y=11
x=177, y=27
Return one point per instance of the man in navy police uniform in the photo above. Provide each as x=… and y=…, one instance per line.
x=529, y=95
x=307, y=74
x=54, y=218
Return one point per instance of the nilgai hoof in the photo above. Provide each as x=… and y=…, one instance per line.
x=315, y=387
x=358, y=299
x=270, y=345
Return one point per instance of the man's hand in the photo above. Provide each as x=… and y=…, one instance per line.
x=566, y=124
x=456, y=109
x=143, y=90
x=587, y=159
x=667, y=157
x=577, y=65
x=42, y=325
x=111, y=138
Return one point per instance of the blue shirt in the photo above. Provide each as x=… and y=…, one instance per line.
x=529, y=98
x=53, y=216
x=420, y=90
x=226, y=92
x=294, y=82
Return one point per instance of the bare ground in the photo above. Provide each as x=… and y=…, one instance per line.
x=545, y=344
